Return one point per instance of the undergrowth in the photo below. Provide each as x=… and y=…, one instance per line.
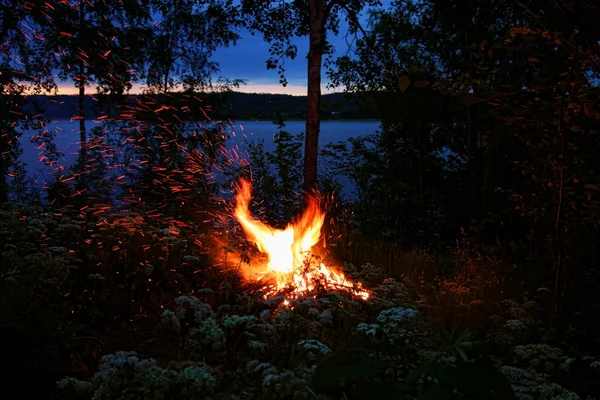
x=183, y=328
x=110, y=304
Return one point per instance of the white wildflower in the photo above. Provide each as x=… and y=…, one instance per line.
x=326, y=318
x=199, y=376
x=169, y=319
x=368, y=329
x=270, y=380
x=313, y=349
x=515, y=325
x=234, y=320
x=200, y=310
x=396, y=314
x=265, y=315
x=257, y=346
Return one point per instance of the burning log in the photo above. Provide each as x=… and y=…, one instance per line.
x=290, y=266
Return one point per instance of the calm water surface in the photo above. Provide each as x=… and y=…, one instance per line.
x=242, y=132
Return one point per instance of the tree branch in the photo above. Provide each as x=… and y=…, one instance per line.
x=583, y=28
x=352, y=17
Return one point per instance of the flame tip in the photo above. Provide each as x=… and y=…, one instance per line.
x=289, y=249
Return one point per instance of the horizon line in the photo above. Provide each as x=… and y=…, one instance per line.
x=142, y=94
x=290, y=90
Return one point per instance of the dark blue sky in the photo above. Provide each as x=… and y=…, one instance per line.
x=247, y=60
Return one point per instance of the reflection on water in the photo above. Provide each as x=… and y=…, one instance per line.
x=241, y=133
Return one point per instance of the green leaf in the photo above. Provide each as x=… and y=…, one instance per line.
x=420, y=84
x=403, y=82
x=482, y=380
x=484, y=141
x=439, y=393
x=433, y=369
x=390, y=391
x=346, y=364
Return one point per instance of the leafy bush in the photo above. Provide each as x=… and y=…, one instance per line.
x=321, y=346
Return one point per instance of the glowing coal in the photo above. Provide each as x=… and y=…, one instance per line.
x=289, y=250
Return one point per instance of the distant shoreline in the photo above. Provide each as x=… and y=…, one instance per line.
x=322, y=120
x=245, y=119
x=236, y=106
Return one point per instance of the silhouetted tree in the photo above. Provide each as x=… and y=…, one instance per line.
x=24, y=69
x=281, y=21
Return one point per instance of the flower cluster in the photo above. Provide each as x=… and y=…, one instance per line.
x=528, y=385
x=254, y=349
x=125, y=376
x=312, y=349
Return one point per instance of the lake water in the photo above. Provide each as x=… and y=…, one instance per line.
x=242, y=132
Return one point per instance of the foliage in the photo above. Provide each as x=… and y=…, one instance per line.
x=23, y=70
x=277, y=177
x=61, y=278
x=321, y=346
x=493, y=138
x=186, y=35
x=92, y=43
x=279, y=22
x=95, y=41
x=33, y=275
x=473, y=223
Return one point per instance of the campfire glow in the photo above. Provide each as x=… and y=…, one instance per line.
x=288, y=250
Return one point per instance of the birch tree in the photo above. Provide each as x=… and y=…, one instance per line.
x=279, y=22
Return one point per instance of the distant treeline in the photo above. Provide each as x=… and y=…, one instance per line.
x=266, y=106
x=235, y=105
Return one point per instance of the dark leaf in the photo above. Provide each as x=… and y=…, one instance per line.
x=346, y=364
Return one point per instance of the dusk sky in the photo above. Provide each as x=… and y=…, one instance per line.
x=247, y=60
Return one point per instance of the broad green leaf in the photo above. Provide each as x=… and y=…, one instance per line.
x=346, y=364
x=433, y=369
x=391, y=391
x=439, y=393
x=482, y=380
x=484, y=141
x=403, y=82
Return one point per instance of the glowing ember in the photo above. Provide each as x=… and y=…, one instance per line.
x=288, y=250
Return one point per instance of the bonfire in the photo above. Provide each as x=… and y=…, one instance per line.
x=291, y=266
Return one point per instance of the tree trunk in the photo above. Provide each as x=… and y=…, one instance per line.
x=82, y=135
x=559, y=244
x=81, y=115
x=420, y=152
x=3, y=181
x=4, y=142
x=317, y=10
x=80, y=180
x=166, y=82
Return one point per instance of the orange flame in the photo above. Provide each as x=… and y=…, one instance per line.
x=288, y=249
